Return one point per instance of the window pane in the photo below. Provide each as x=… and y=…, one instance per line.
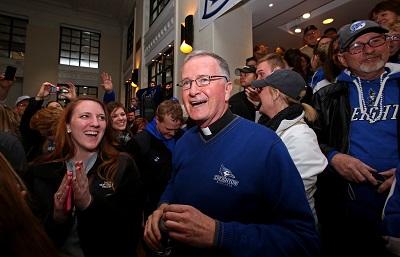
x=4, y=53
x=4, y=45
x=94, y=50
x=65, y=31
x=76, y=33
x=18, y=39
x=86, y=42
x=74, y=62
x=76, y=41
x=5, y=20
x=85, y=49
x=75, y=48
x=4, y=37
x=17, y=47
x=20, y=23
x=64, y=61
x=65, y=54
x=65, y=46
x=5, y=29
x=75, y=55
x=84, y=56
x=84, y=63
x=66, y=39
x=94, y=65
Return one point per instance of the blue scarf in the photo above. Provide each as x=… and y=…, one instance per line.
x=151, y=127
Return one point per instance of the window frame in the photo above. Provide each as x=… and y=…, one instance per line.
x=156, y=7
x=16, y=28
x=79, y=48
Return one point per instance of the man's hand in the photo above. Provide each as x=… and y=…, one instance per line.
x=253, y=95
x=71, y=95
x=107, y=82
x=188, y=225
x=44, y=90
x=353, y=169
x=5, y=86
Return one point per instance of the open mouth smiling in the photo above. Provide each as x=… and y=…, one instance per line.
x=91, y=133
x=197, y=103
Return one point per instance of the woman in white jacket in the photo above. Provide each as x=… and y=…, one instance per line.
x=280, y=95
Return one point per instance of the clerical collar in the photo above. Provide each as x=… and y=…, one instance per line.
x=212, y=130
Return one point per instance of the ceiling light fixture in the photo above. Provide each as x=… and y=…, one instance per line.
x=270, y=5
x=306, y=15
x=297, y=30
x=327, y=21
x=288, y=27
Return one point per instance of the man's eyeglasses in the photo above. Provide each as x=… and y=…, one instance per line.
x=394, y=37
x=358, y=47
x=23, y=105
x=201, y=81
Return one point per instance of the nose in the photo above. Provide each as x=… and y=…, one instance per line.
x=368, y=48
x=94, y=123
x=194, y=88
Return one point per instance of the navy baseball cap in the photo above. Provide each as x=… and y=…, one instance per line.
x=309, y=27
x=246, y=69
x=289, y=82
x=350, y=32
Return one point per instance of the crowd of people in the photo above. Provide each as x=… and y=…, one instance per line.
x=302, y=161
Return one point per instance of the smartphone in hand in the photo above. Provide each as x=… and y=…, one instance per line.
x=10, y=73
x=380, y=178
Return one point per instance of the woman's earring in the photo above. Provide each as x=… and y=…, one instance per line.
x=69, y=131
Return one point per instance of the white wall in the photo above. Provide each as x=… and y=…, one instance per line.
x=42, y=50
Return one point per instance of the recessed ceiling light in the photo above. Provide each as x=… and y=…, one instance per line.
x=327, y=21
x=306, y=15
x=297, y=30
x=270, y=5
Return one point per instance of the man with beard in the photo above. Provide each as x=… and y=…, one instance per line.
x=357, y=132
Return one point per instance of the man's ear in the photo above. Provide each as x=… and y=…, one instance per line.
x=342, y=60
x=228, y=90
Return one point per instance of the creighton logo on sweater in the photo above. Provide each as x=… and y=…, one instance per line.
x=226, y=178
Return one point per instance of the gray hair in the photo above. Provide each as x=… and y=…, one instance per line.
x=223, y=65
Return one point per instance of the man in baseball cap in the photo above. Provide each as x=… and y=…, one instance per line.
x=360, y=142
x=238, y=103
x=21, y=104
x=311, y=35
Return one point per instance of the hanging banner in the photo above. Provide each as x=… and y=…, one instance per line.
x=212, y=9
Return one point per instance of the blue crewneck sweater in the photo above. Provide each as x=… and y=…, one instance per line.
x=244, y=178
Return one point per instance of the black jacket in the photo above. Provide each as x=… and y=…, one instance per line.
x=31, y=139
x=154, y=161
x=334, y=115
x=240, y=105
x=110, y=226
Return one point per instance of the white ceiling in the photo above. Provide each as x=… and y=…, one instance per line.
x=266, y=21
x=111, y=12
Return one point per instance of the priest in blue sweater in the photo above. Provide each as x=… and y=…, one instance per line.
x=235, y=190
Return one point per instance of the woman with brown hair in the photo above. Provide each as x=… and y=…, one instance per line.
x=119, y=123
x=20, y=232
x=89, y=195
